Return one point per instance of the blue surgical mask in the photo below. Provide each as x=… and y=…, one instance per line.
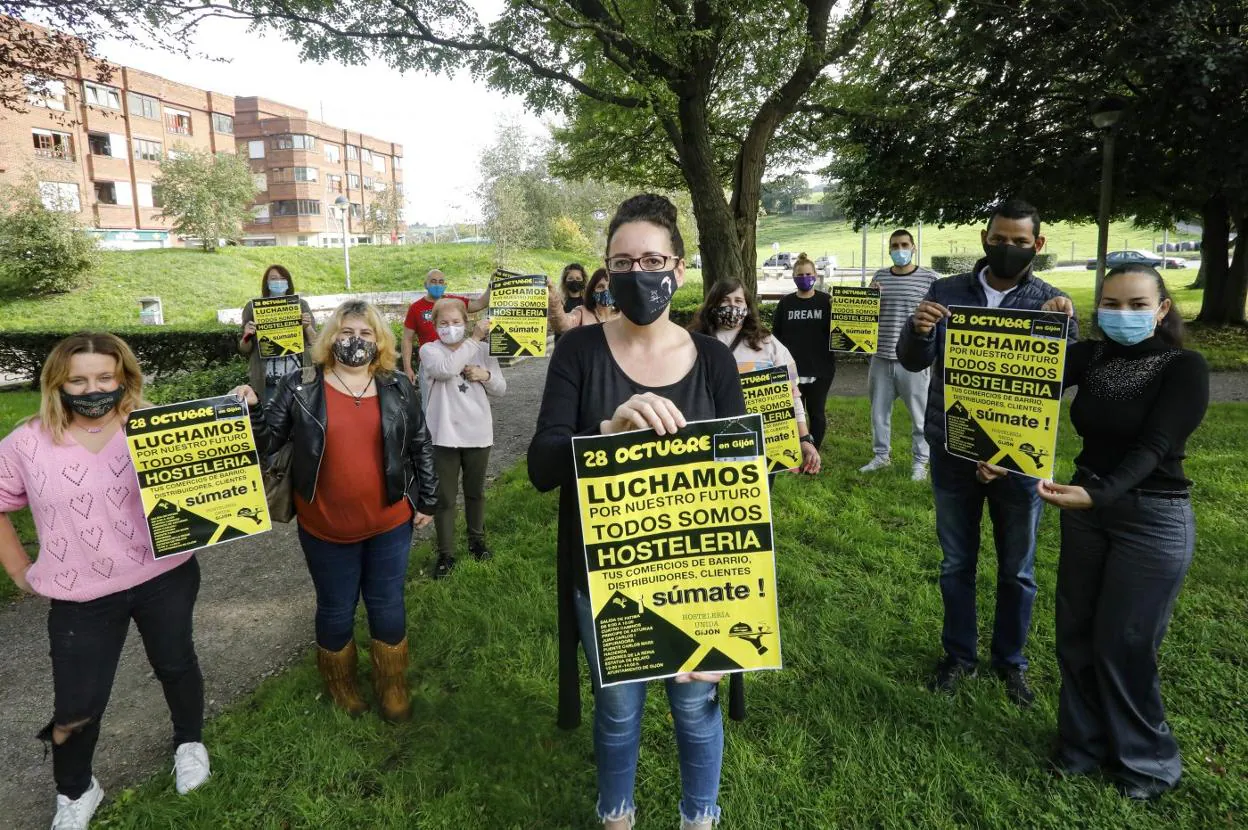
x=278, y=287
x=901, y=257
x=1127, y=326
x=435, y=291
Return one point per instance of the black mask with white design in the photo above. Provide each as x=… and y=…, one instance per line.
x=641, y=296
x=93, y=405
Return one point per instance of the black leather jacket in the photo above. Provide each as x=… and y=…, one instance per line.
x=297, y=414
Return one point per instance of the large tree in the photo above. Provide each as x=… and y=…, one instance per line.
x=972, y=101
x=689, y=94
x=207, y=196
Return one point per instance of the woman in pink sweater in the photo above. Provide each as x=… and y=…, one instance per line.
x=70, y=465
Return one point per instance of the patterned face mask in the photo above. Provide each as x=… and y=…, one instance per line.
x=93, y=405
x=354, y=351
x=728, y=316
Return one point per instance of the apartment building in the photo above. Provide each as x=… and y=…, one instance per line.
x=96, y=148
x=301, y=167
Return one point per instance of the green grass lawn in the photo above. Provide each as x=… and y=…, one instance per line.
x=844, y=737
x=194, y=285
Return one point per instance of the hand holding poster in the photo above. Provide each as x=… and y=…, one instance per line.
x=199, y=473
x=678, y=546
x=518, y=316
x=769, y=394
x=855, y=319
x=279, y=325
x=1003, y=386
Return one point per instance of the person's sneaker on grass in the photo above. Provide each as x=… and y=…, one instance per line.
x=443, y=567
x=949, y=671
x=76, y=813
x=1016, y=688
x=479, y=551
x=879, y=462
x=190, y=767
x=918, y=471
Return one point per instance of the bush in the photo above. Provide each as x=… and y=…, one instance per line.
x=567, y=235
x=964, y=263
x=161, y=350
x=41, y=251
x=204, y=383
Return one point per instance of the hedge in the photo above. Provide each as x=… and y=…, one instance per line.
x=204, y=383
x=964, y=263
x=161, y=351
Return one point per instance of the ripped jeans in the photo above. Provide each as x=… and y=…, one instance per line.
x=617, y=737
x=87, y=638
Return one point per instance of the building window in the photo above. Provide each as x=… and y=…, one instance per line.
x=145, y=150
x=53, y=145
x=379, y=164
x=302, y=241
x=333, y=183
x=222, y=123
x=60, y=196
x=143, y=106
x=177, y=122
x=332, y=154
x=98, y=145
x=296, y=141
x=46, y=92
x=260, y=214
x=357, y=210
x=296, y=207
x=255, y=149
x=398, y=163
x=144, y=195
x=398, y=188
x=353, y=181
x=101, y=96
x=368, y=182
x=353, y=153
x=379, y=186
x=106, y=193
x=365, y=156
x=261, y=181
x=294, y=174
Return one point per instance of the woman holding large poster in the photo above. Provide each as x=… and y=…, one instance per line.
x=263, y=373
x=638, y=371
x=1128, y=533
x=70, y=465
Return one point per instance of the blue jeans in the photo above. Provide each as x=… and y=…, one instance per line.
x=1014, y=508
x=617, y=736
x=376, y=568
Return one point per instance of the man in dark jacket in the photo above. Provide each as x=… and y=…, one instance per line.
x=1002, y=279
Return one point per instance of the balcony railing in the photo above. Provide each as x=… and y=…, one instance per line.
x=59, y=153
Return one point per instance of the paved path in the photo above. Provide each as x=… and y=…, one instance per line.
x=253, y=618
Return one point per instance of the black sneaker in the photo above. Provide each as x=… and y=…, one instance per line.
x=443, y=567
x=1141, y=793
x=480, y=552
x=1016, y=688
x=949, y=671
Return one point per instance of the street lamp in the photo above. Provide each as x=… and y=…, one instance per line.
x=1104, y=116
x=342, y=204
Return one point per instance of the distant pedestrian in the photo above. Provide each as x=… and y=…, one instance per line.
x=572, y=286
x=902, y=287
x=803, y=323
x=264, y=372
x=418, y=324
x=71, y=466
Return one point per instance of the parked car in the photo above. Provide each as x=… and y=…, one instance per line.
x=825, y=265
x=1115, y=259
x=781, y=260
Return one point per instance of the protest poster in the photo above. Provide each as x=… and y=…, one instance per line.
x=199, y=473
x=769, y=394
x=279, y=325
x=1003, y=386
x=855, y=323
x=678, y=547
x=518, y=316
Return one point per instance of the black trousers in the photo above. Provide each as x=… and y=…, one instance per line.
x=1119, y=575
x=87, y=638
x=815, y=399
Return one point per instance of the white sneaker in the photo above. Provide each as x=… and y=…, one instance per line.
x=190, y=767
x=880, y=462
x=918, y=472
x=76, y=814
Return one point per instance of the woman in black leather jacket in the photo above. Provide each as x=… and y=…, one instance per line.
x=362, y=476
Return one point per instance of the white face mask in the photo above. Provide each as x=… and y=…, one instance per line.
x=450, y=335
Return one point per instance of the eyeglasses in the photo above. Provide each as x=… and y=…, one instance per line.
x=648, y=262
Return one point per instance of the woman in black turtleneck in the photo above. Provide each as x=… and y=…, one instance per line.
x=1127, y=533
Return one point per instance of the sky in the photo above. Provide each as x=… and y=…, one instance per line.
x=443, y=123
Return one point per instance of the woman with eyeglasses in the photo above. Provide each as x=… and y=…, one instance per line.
x=637, y=371
x=597, y=307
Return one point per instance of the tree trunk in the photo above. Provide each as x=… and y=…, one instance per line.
x=1202, y=276
x=1226, y=286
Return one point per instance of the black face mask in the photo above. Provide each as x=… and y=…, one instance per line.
x=575, y=285
x=1009, y=262
x=93, y=405
x=641, y=296
x=354, y=351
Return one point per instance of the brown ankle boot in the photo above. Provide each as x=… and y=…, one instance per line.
x=339, y=670
x=390, y=680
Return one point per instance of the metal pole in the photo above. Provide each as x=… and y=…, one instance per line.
x=346, y=248
x=918, y=246
x=864, y=256
x=1165, y=246
x=1102, y=233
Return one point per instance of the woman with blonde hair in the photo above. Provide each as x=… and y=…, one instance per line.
x=70, y=465
x=362, y=476
x=461, y=378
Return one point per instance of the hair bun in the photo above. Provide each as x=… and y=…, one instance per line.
x=802, y=255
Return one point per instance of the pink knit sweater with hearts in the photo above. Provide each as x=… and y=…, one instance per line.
x=93, y=537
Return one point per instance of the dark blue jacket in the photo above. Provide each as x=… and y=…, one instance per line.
x=917, y=352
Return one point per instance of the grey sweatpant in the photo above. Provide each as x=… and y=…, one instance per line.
x=888, y=380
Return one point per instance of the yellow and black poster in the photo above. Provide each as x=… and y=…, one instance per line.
x=518, y=316
x=769, y=394
x=279, y=325
x=679, y=551
x=199, y=473
x=1003, y=386
x=855, y=319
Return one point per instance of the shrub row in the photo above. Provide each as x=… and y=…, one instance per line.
x=204, y=383
x=161, y=351
x=962, y=263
